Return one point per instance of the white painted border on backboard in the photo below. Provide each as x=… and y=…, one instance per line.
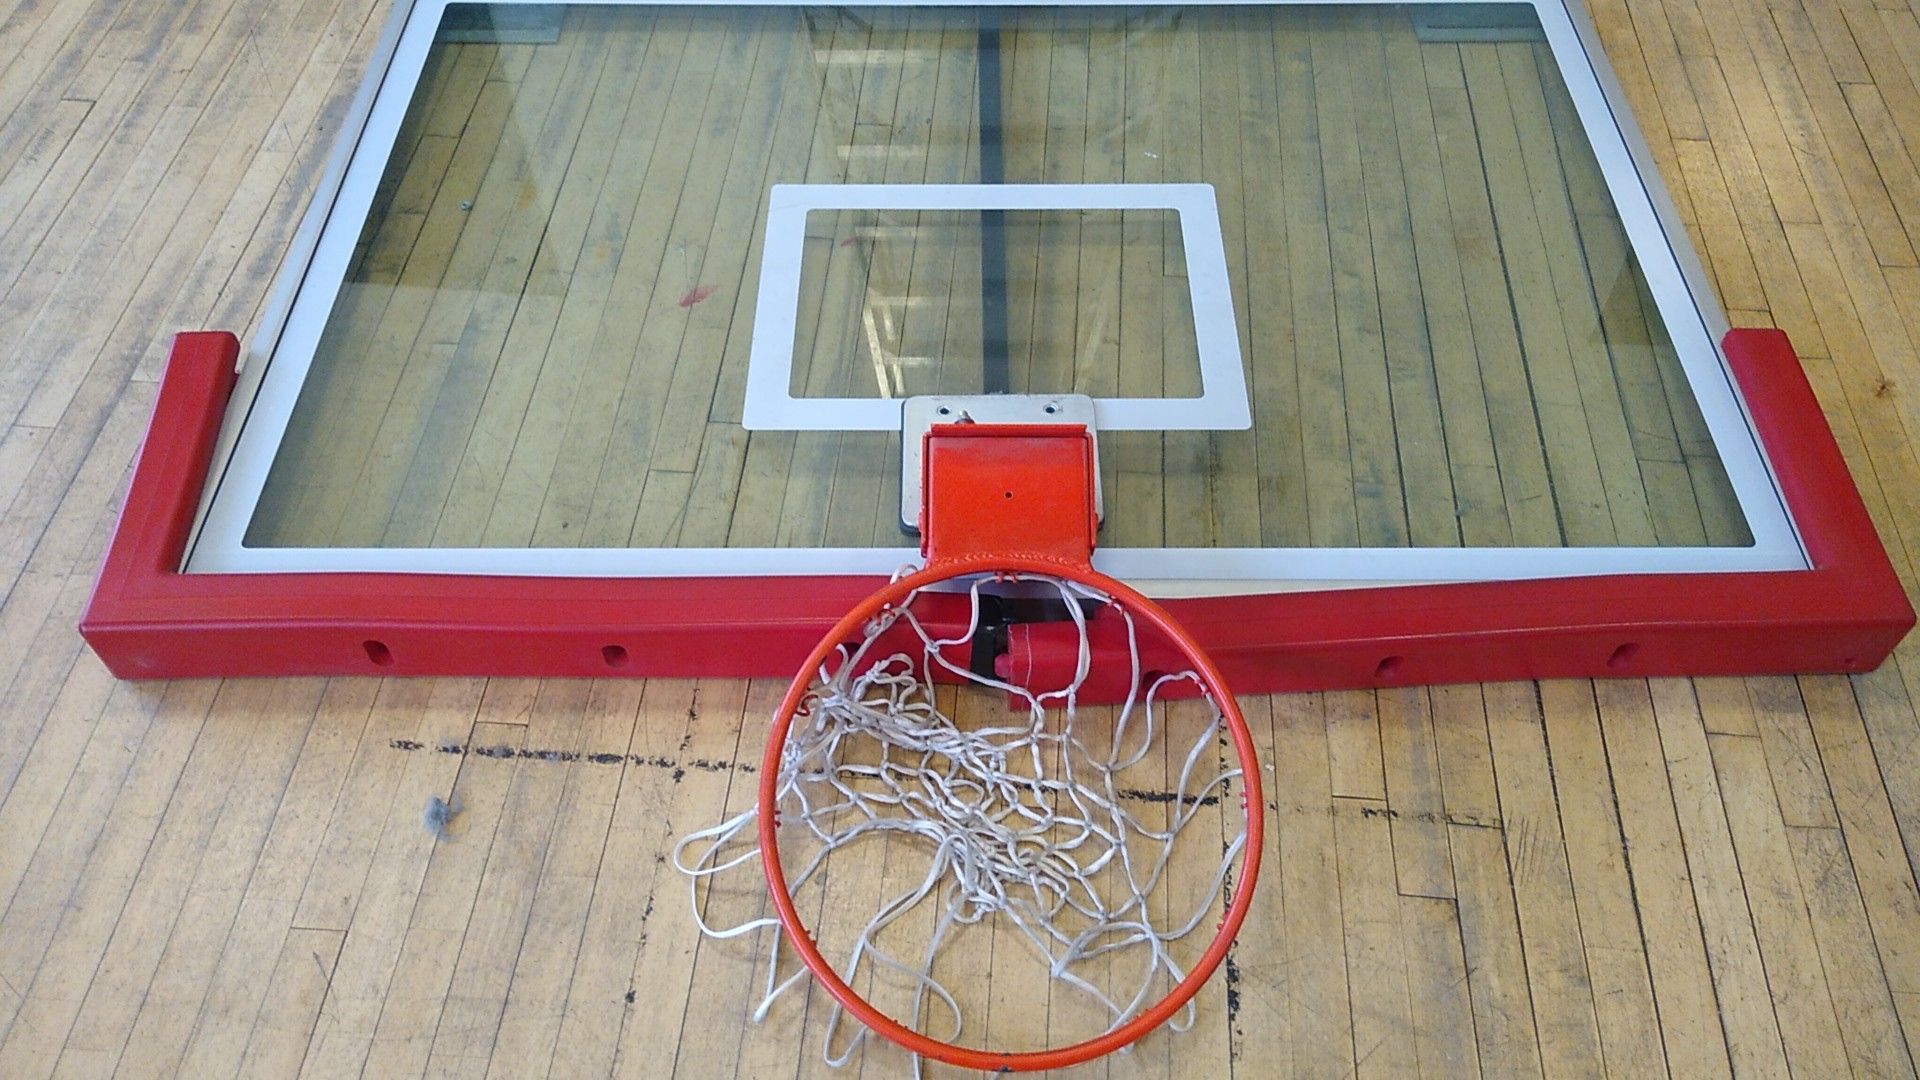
x=276, y=363
x=771, y=404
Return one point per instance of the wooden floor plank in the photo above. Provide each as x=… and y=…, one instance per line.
x=1376, y=958
x=379, y=901
x=1322, y=1032
x=729, y=979
x=1692, y=1036
x=629, y=893
x=158, y=892
x=423, y=963
x=91, y=164
x=498, y=926
x=174, y=165
x=1733, y=951
x=73, y=769
x=1465, y=755
x=165, y=1022
x=265, y=926
x=1802, y=998
x=1503, y=1012
x=1415, y=798
x=48, y=1004
x=1862, y=1003
x=1879, y=860
x=1437, y=977
x=1799, y=781
x=543, y=973
x=1834, y=154
x=1887, y=712
x=1558, y=980
x=668, y=949
x=1353, y=744
x=291, y=1006
x=1603, y=893
x=1262, y=961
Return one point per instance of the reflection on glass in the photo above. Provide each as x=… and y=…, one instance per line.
x=897, y=303
x=543, y=337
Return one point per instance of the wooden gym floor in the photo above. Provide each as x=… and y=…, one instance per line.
x=215, y=878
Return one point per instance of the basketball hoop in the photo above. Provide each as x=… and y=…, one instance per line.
x=1030, y=822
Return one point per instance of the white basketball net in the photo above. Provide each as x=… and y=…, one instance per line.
x=1031, y=821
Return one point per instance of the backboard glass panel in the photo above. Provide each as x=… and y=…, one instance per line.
x=1469, y=351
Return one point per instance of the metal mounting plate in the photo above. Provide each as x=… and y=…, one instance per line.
x=917, y=414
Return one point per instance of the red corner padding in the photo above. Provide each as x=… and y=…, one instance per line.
x=149, y=620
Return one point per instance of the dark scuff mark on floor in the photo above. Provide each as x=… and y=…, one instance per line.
x=564, y=757
x=1429, y=817
x=679, y=767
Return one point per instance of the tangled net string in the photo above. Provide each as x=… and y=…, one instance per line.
x=1025, y=820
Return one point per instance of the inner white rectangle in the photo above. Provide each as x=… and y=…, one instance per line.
x=770, y=404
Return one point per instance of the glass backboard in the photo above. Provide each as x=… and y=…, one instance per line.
x=1366, y=293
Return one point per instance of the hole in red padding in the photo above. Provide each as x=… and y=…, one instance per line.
x=1387, y=668
x=614, y=655
x=378, y=652
x=1623, y=655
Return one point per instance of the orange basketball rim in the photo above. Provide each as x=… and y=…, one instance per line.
x=1010, y=501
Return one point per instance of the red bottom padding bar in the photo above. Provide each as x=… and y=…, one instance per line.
x=149, y=620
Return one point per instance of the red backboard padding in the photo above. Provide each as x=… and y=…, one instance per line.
x=149, y=620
